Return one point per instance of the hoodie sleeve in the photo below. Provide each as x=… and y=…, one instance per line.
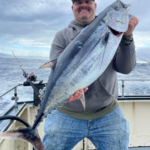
x=125, y=58
x=58, y=45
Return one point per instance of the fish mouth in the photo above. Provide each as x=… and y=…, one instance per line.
x=116, y=33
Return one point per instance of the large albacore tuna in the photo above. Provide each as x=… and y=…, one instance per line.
x=79, y=65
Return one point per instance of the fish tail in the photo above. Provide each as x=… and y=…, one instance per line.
x=28, y=134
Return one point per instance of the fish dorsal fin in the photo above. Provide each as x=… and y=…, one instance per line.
x=49, y=64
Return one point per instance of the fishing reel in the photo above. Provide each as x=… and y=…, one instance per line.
x=32, y=76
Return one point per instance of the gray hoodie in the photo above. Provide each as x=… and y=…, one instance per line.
x=104, y=90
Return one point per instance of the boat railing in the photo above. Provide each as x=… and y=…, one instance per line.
x=123, y=83
x=15, y=94
x=36, y=100
x=14, y=88
x=39, y=86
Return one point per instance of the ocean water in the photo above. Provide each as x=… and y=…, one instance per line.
x=12, y=75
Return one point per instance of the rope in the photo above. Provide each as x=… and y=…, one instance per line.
x=143, y=59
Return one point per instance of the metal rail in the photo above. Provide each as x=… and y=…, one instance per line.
x=11, y=90
x=15, y=95
x=123, y=85
x=133, y=79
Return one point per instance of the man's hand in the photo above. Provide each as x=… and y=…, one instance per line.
x=132, y=24
x=77, y=95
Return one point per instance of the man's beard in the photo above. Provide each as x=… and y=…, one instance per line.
x=85, y=17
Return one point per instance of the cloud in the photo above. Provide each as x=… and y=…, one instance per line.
x=32, y=43
x=143, y=53
x=31, y=10
x=26, y=53
x=31, y=53
x=20, y=51
x=8, y=53
x=142, y=39
x=35, y=23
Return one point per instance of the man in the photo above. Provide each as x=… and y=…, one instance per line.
x=102, y=121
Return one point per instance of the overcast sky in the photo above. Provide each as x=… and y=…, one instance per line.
x=28, y=27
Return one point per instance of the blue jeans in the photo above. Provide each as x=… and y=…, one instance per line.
x=110, y=132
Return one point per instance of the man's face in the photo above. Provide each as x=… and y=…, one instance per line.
x=84, y=10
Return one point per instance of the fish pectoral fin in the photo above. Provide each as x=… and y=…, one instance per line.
x=49, y=64
x=83, y=100
x=27, y=134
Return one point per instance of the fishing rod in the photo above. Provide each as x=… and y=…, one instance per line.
x=30, y=78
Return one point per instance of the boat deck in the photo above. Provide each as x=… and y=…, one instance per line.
x=135, y=108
